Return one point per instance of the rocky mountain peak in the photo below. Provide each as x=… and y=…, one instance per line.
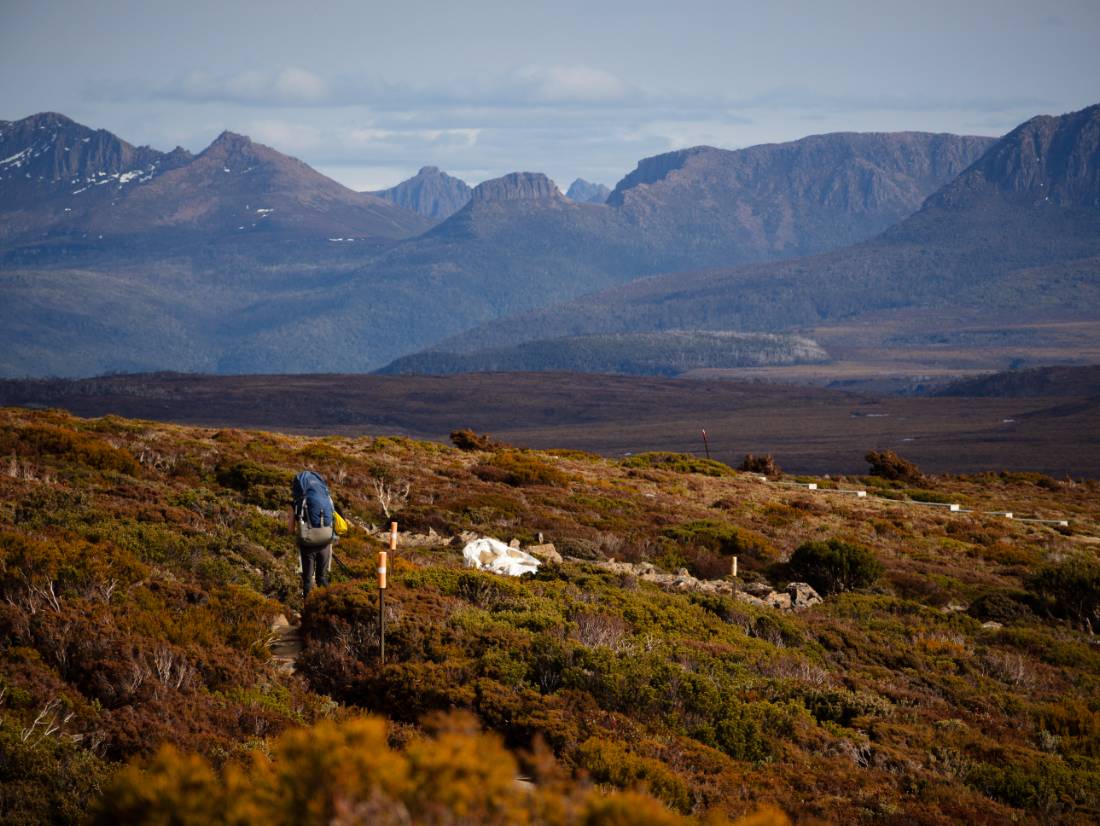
x=228, y=143
x=52, y=154
x=1046, y=160
x=584, y=191
x=431, y=193
x=517, y=186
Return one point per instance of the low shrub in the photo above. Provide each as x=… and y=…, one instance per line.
x=1000, y=606
x=760, y=464
x=85, y=449
x=834, y=566
x=1070, y=589
x=1048, y=786
x=888, y=465
x=752, y=549
x=678, y=463
x=467, y=439
x=519, y=469
x=613, y=762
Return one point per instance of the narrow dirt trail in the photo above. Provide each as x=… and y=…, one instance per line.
x=286, y=644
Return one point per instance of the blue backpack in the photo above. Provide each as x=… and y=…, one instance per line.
x=313, y=507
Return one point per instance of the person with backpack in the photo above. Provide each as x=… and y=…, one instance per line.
x=312, y=520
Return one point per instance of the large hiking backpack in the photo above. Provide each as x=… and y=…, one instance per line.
x=313, y=507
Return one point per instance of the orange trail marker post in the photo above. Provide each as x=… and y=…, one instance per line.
x=383, y=558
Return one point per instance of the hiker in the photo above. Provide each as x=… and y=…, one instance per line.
x=312, y=521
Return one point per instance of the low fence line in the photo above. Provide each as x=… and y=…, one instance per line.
x=951, y=507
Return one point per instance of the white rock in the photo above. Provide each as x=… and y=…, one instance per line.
x=487, y=554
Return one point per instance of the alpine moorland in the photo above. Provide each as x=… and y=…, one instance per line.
x=928, y=666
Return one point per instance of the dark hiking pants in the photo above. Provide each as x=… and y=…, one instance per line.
x=315, y=561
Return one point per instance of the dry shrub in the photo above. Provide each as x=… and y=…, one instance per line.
x=348, y=773
x=1012, y=669
x=594, y=629
x=888, y=465
x=520, y=469
x=467, y=439
x=764, y=465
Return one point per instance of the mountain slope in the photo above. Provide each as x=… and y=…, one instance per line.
x=519, y=244
x=236, y=185
x=991, y=242
x=516, y=246
x=62, y=179
x=431, y=193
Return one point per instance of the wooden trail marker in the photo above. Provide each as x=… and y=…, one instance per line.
x=383, y=559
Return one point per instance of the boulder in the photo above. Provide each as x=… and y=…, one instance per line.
x=802, y=595
x=546, y=552
x=778, y=600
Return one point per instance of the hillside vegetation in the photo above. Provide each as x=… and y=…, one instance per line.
x=950, y=674
x=667, y=353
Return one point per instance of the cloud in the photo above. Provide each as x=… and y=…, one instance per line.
x=370, y=136
x=340, y=144
x=570, y=84
x=802, y=98
x=287, y=86
x=286, y=136
x=292, y=86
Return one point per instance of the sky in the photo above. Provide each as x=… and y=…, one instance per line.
x=368, y=92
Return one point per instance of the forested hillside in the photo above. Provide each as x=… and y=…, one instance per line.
x=948, y=674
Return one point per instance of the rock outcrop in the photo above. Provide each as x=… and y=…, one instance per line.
x=517, y=186
x=431, y=193
x=797, y=596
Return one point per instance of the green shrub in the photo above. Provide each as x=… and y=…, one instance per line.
x=752, y=549
x=921, y=495
x=245, y=475
x=519, y=469
x=839, y=705
x=613, y=763
x=1048, y=786
x=835, y=566
x=678, y=463
x=1000, y=606
x=1070, y=589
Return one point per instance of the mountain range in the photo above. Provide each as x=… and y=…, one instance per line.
x=61, y=181
x=886, y=220
x=1018, y=229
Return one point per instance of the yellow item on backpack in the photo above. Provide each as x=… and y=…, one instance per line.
x=339, y=524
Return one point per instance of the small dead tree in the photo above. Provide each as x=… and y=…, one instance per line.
x=391, y=496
